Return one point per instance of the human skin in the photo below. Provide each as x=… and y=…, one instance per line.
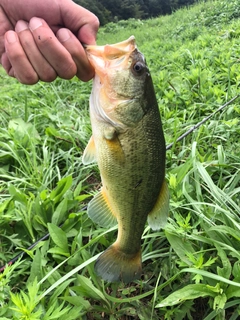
x=40, y=40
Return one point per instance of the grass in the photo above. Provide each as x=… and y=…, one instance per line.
x=191, y=269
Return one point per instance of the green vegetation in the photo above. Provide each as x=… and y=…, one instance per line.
x=111, y=10
x=192, y=268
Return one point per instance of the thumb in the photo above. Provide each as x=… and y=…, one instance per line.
x=87, y=33
x=80, y=21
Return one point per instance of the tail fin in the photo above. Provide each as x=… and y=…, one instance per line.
x=114, y=265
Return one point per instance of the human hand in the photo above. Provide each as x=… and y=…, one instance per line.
x=40, y=40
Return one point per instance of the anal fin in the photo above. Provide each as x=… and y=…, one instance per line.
x=157, y=218
x=100, y=212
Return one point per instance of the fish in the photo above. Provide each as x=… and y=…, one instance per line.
x=128, y=145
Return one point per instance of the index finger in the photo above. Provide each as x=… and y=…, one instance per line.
x=85, y=71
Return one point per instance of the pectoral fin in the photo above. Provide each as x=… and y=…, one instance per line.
x=89, y=154
x=157, y=218
x=100, y=212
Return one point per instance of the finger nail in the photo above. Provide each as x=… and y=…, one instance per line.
x=35, y=23
x=11, y=36
x=21, y=26
x=63, y=35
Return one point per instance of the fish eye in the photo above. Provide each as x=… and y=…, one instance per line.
x=138, y=68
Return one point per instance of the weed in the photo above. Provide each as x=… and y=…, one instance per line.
x=191, y=269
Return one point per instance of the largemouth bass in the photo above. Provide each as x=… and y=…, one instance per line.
x=128, y=145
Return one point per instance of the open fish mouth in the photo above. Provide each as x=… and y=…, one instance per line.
x=111, y=55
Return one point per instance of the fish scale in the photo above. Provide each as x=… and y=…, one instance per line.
x=129, y=147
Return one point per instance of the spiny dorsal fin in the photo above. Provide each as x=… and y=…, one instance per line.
x=157, y=218
x=100, y=212
x=89, y=154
